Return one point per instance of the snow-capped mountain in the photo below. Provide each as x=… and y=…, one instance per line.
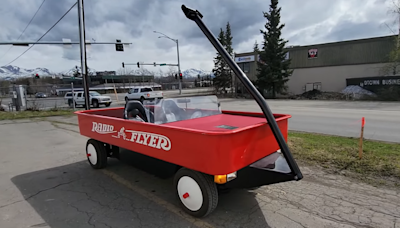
x=71, y=71
x=11, y=72
x=193, y=73
x=17, y=72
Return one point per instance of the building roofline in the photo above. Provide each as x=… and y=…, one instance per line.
x=294, y=47
x=344, y=42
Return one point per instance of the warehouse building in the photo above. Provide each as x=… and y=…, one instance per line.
x=327, y=66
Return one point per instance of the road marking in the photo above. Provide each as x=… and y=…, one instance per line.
x=172, y=208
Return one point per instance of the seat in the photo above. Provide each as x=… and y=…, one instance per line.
x=135, y=108
x=171, y=107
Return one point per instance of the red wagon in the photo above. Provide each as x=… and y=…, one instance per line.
x=205, y=148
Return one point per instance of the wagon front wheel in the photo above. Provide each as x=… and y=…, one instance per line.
x=197, y=192
x=96, y=154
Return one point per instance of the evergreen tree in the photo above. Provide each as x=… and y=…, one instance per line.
x=228, y=39
x=229, y=49
x=223, y=73
x=273, y=68
x=256, y=50
x=220, y=80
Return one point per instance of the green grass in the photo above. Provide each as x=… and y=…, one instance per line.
x=33, y=114
x=341, y=153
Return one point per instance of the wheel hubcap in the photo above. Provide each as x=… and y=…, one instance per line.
x=91, y=154
x=190, y=193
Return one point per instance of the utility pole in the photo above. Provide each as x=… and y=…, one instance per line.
x=82, y=39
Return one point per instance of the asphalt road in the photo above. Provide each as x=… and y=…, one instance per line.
x=382, y=119
x=45, y=181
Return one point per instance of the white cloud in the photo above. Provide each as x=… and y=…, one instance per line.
x=306, y=22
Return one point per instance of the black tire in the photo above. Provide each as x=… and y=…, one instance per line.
x=70, y=103
x=141, y=99
x=208, y=190
x=95, y=103
x=101, y=154
x=108, y=104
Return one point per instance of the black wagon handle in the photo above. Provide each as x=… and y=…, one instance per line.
x=196, y=16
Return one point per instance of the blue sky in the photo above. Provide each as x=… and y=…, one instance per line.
x=306, y=22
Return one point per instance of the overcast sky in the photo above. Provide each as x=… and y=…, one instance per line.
x=306, y=22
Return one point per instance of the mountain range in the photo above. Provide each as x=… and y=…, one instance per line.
x=10, y=72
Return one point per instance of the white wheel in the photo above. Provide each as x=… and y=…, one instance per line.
x=197, y=192
x=96, y=154
x=91, y=154
x=190, y=193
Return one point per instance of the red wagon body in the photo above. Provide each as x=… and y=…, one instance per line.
x=207, y=144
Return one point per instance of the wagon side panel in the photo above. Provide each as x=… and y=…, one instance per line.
x=189, y=149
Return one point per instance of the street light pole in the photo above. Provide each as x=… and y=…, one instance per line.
x=177, y=50
x=179, y=67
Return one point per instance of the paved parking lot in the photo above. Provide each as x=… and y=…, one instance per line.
x=45, y=181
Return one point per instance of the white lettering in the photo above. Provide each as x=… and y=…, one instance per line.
x=151, y=140
x=146, y=137
x=138, y=138
x=391, y=82
x=133, y=136
x=102, y=128
x=371, y=82
x=164, y=143
x=94, y=126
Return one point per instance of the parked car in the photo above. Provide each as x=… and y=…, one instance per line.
x=40, y=95
x=143, y=93
x=96, y=99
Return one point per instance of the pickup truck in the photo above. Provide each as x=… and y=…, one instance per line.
x=143, y=93
x=96, y=99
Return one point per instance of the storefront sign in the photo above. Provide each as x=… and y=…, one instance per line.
x=243, y=59
x=374, y=83
x=312, y=53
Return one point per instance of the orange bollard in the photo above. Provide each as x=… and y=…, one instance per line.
x=360, y=149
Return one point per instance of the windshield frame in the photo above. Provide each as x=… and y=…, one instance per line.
x=182, y=108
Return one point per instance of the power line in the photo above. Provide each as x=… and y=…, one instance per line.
x=44, y=34
x=25, y=27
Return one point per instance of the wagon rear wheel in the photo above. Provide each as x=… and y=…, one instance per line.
x=197, y=192
x=96, y=154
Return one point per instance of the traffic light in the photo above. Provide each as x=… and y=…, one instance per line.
x=180, y=76
x=123, y=65
x=138, y=65
x=119, y=47
x=176, y=76
x=37, y=76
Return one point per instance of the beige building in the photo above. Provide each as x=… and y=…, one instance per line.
x=327, y=66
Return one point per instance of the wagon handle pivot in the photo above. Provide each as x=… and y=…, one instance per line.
x=196, y=16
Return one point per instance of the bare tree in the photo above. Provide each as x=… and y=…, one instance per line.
x=391, y=68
